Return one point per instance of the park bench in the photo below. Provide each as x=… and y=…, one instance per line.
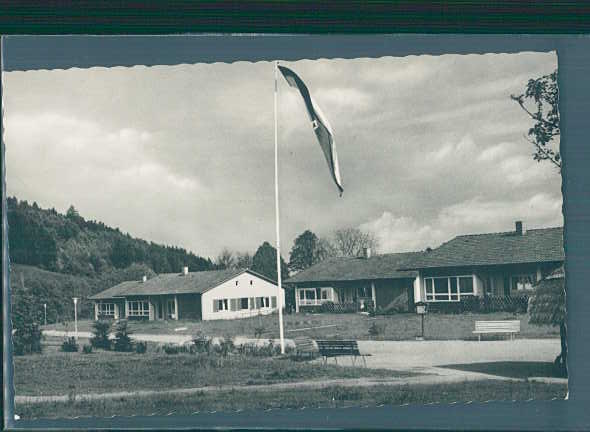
x=305, y=347
x=487, y=327
x=338, y=348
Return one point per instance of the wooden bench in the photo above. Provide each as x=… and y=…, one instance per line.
x=487, y=327
x=338, y=348
x=305, y=347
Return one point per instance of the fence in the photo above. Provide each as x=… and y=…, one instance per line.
x=331, y=307
x=485, y=304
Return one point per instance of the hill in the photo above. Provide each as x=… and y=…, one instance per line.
x=31, y=287
x=72, y=245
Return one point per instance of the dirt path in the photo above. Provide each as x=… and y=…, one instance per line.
x=436, y=376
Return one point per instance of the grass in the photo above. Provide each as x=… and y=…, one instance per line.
x=336, y=396
x=512, y=369
x=61, y=373
x=349, y=326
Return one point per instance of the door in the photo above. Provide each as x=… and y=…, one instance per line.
x=170, y=309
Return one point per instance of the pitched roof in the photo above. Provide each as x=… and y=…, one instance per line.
x=350, y=268
x=174, y=283
x=534, y=246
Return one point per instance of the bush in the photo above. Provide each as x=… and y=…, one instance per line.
x=225, y=346
x=176, y=349
x=87, y=349
x=123, y=342
x=100, y=338
x=141, y=347
x=70, y=345
x=27, y=339
x=201, y=344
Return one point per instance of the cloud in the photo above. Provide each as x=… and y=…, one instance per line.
x=404, y=233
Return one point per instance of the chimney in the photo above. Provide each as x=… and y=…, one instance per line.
x=520, y=228
x=185, y=270
x=144, y=278
x=367, y=252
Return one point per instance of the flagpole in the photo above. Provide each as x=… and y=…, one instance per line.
x=280, y=296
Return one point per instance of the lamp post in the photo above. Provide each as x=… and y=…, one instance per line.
x=76, y=317
x=421, y=309
x=45, y=312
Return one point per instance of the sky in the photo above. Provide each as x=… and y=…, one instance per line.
x=429, y=147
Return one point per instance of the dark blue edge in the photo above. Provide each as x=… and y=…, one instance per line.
x=37, y=52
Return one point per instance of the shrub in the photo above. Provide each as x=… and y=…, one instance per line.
x=225, y=346
x=87, y=349
x=123, y=342
x=175, y=349
x=201, y=344
x=70, y=345
x=141, y=347
x=27, y=339
x=100, y=338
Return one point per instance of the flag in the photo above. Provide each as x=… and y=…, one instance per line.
x=319, y=123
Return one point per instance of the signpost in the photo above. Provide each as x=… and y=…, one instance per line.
x=421, y=309
x=76, y=317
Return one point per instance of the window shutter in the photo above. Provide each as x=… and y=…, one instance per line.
x=274, y=302
x=215, y=306
x=252, y=303
x=234, y=304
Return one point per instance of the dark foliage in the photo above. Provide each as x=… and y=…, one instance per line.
x=482, y=305
x=87, y=349
x=70, y=244
x=26, y=316
x=141, y=347
x=100, y=334
x=123, y=342
x=543, y=96
x=70, y=345
x=265, y=262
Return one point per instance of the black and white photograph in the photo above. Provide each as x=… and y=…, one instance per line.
x=287, y=234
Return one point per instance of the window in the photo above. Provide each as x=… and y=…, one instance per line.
x=307, y=296
x=222, y=305
x=106, y=309
x=326, y=293
x=262, y=302
x=138, y=308
x=250, y=281
x=244, y=303
x=522, y=282
x=236, y=283
x=448, y=288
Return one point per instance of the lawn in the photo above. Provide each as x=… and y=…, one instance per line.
x=512, y=369
x=348, y=326
x=336, y=396
x=61, y=373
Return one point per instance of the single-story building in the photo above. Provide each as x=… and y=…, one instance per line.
x=503, y=264
x=351, y=283
x=204, y=295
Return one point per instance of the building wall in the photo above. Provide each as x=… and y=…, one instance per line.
x=247, y=286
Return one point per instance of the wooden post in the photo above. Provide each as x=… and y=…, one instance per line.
x=95, y=311
x=296, y=300
x=373, y=295
x=176, y=308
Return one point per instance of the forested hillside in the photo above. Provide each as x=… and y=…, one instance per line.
x=70, y=244
x=55, y=257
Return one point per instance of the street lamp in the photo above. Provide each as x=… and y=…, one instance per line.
x=76, y=317
x=45, y=312
x=421, y=309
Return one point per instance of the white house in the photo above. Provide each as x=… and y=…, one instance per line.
x=205, y=295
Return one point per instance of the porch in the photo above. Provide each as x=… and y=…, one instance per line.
x=350, y=298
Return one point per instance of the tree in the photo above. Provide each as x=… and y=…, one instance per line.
x=351, y=241
x=123, y=340
x=26, y=316
x=225, y=259
x=100, y=334
x=243, y=260
x=547, y=307
x=265, y=262
x=307, y=250
x=542, y=94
